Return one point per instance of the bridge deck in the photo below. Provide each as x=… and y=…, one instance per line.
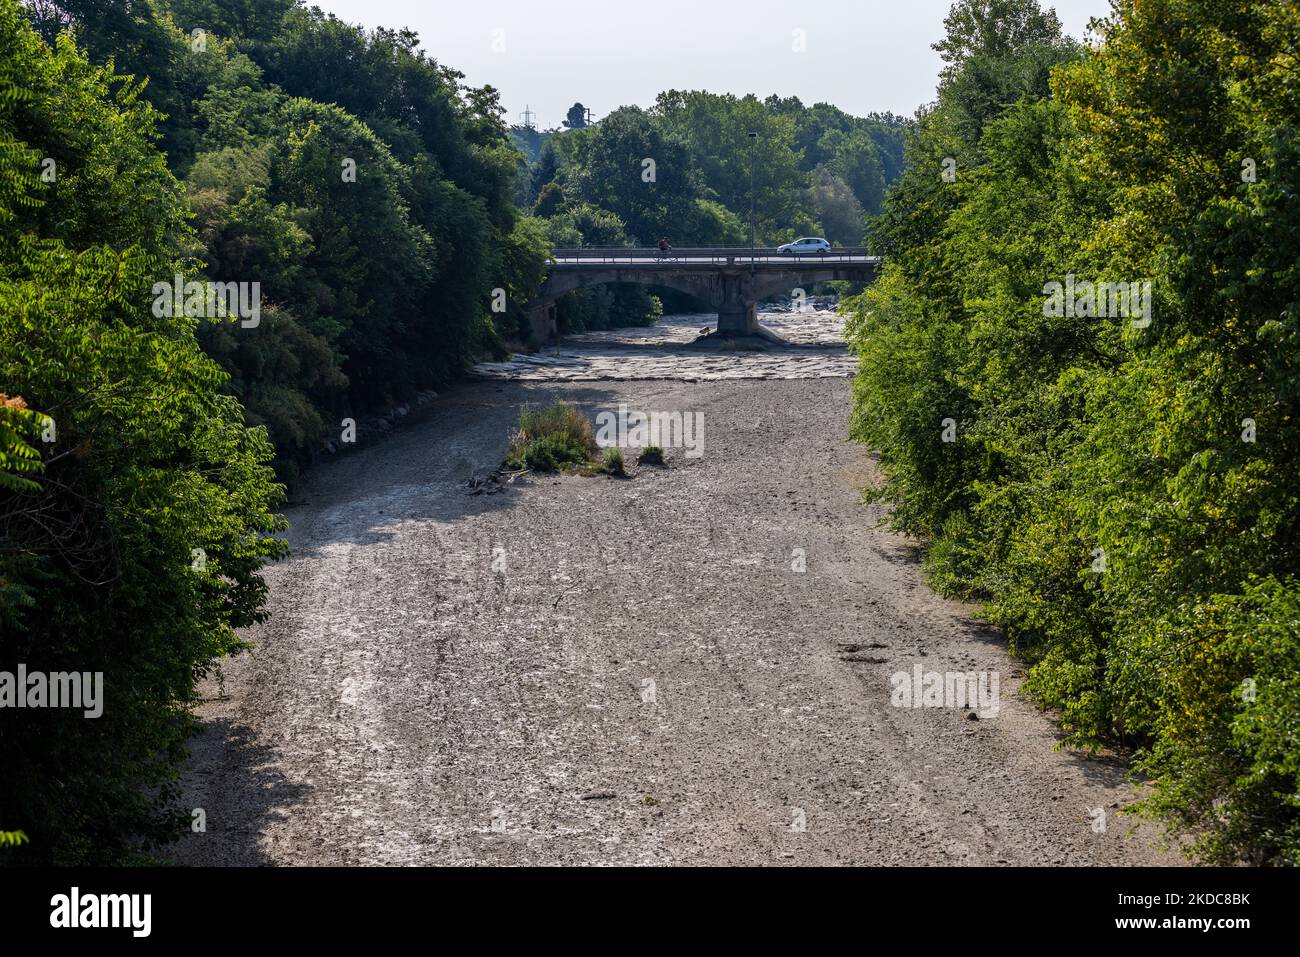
x=705, y=255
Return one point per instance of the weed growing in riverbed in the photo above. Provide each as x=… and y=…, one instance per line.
x=614, y=464
x=653, y=455
x=551, y=439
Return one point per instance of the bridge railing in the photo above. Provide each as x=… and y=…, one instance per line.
x=713, y=254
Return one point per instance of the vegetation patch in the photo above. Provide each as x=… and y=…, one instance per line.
x=560, y=438
x=1120, y=489
x=551, y=439
x=614, y=464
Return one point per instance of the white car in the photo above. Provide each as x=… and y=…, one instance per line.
x=801, y=247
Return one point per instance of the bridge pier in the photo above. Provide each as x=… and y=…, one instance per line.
x=737, y=305
x=543, y=327
x=738, y=309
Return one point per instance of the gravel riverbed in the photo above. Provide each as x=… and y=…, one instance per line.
x=689, y=666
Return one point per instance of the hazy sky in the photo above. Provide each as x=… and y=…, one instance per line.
x=861, y=55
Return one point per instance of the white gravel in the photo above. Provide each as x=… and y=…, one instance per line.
x=450, y=678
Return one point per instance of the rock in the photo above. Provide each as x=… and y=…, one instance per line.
x=489, y=484
x=599, y=796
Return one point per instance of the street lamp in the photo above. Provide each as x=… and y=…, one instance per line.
x=753, y=201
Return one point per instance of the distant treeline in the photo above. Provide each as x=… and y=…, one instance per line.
x=686, y=170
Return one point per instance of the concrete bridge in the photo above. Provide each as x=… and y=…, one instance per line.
x=730, y=281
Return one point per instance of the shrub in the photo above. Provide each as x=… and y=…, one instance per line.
x=613, y=464
x=551, y=438
x=1124, y=496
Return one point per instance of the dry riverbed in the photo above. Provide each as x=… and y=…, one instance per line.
x=692, y=665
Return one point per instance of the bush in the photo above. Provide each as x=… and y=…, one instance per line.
x=1125, y=497
x=613, y=463
x=550, y=439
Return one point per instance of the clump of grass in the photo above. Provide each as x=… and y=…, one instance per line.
x=651, y=455
x=613, y=463
x=551, y=439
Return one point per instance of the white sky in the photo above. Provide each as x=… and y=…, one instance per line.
x=862, y=55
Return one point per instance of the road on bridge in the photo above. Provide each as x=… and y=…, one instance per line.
x=704, y=255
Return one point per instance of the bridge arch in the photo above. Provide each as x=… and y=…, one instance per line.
x=764, y=286
x=705, y=287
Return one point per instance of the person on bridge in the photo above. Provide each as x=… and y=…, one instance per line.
x=663, y=246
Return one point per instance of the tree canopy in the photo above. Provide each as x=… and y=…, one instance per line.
x=366, y=193
x=1118, y=485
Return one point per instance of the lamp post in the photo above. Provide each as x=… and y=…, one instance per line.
x=753, y=201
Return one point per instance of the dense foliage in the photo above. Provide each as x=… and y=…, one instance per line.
x=366, y=191
x=141, y=462
x=359, y=182
x=1120, y=487
x=706, y=164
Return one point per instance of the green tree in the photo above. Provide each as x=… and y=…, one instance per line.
x=993, y=29
x=855, y=160
x=628, y=165
x=1119, y=488
x=715, y=131
x=842, y=216
x=147, y=465
x=576, y=118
